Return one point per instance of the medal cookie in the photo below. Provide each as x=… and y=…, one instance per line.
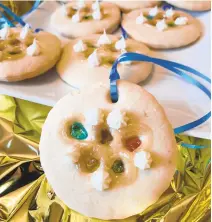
x=24, y=54
x=88, y=60
x=76, y=20
x=192, y=5
x=108, y=160
x=162, y=29
x=127, y=6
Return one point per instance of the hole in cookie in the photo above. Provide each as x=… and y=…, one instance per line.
x=118, y=166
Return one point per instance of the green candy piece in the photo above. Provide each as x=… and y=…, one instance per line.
x=87, y=17
x=78, y=131
x=171, y=24
x=149, y=17
x=118, y=166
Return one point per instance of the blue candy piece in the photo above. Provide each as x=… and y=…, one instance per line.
x=149, y=17
x=78, y=131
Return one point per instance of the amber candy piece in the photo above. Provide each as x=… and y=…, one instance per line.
x=92, y=164
x=106, y=136
x=132, y=143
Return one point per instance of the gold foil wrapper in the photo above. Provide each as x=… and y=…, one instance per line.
x=25, y=194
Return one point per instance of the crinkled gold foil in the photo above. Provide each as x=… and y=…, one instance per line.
x=25, y=194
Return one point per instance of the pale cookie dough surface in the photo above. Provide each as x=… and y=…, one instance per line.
x=63, y=24
x=192, y=5
x=128, y=193
x=172, y=37
x=17, y=65
x=127, y=6
x=75, y=69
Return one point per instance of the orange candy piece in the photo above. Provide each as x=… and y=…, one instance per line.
x=132, y=143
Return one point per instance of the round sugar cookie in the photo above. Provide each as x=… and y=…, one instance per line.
x=127, y=6
x=80, y=69
x=192, y=5
x=162, y=29
x=24, y=54
x=71, y=21
x=108, y=160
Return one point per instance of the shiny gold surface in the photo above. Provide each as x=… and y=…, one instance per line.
x=25, y=192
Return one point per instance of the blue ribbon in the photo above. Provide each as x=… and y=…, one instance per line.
x=4, y=20
x=13, y=15
x=16, y=18
x=166, y=6
x=175, y=68
x=124, y=33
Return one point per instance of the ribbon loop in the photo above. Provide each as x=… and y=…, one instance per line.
x=175, y=68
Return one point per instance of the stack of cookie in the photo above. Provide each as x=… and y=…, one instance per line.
x=93, y=50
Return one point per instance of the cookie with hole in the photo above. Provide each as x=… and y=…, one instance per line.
x=117, y=178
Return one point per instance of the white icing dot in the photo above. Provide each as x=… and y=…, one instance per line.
x=25, y=31
x=94, y=117
x=161, y=25
x=95, y=5
x=181, y=21
x=80, y=46
x=34, y=49
x=97, y=14
x=100, y=179
x=120, y=44
x=80, y=4
x=153, y=11
x=169, y=13
x=76, y=17
x=93, y=59
x=104, y=39
x=5, y=32
x=143, y=160
x=140, y=19
x=64, y=9
x=116, y=119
